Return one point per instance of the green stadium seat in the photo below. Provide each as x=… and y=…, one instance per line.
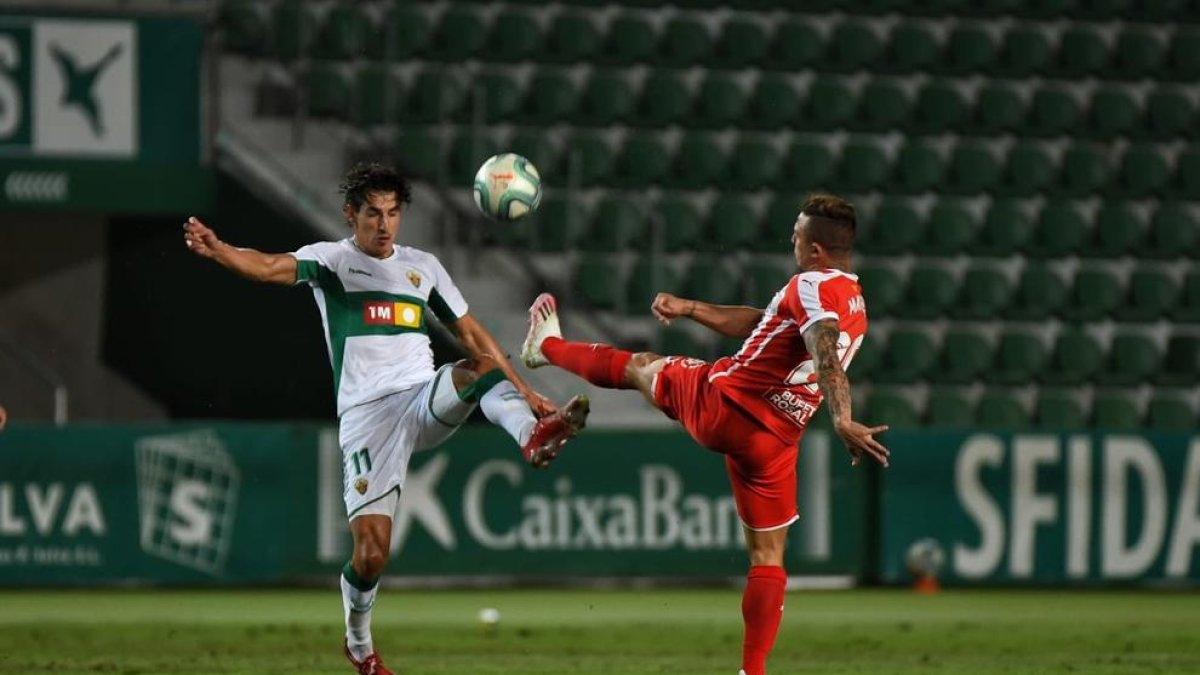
x=1132, y=360
x=681, y=223
x=1019, y=358
x=1172, y=233
x=853, y=46
x=1061, y=231
x=1039, y=294
x=778, y=222
x=1112, y=111
x=1058, y=411
x=1053, y=111
x=293, y=27
x=1138, y=53
x=684, y=42
x=1186, y=184
x=344, y=34
x=866, y=361
x=775, y=103
x=1081, y=52
x=617, y=225
x=1152, y=294
x=710, y=279
x=1095, y=293
x=376, y=95
x=1000, y=410
x=764, y=277
x=918, y=168
x=743, y=43
x=809, y=165
x=882, y=287
x=572, y=37
x=999, y=109
x=243, y=27
x=882, y=106
x=496, y=95
x=1169, y=114
x=1101, y=9
x=460, y=34
x=552, y=97
x=1188, y=308
x=1075, y=359
x=665, y=99
x=644, y=160
x=894, y=228
x=720, y=102
x=1028, y=170
x=754, y=163
x=699, y=162
x=984, y=293
x=1112, y=411
x=327, y=91
x=929, y=293
x=587, y=160
x=1144, y=171
x=404, y=33
x=796, y=45
x=973, y=169
x=970, y=49
x=515, y=36
x=1168, y=412
x=949, y=409
x=598, y=281
x=1119, y=230
x=1006, y=228
x=1181, y=361
x=1024, y=52
x=940, y=107
x=863, y=167
x=648, y=278
x=608, y=98
x=676, y=341
x=421, y=152
x=950, y=228
x=557, y=226
x=631, y=39
x=1183, y=58
x=1155, y=10
x=466, y=150
x=533, y=144
x=965, y=357
x=909, y=355
x=435, y=95
x=912, y=47
x=732, y=224
x=1084, y=171
x=992, y=8
x=928, y=7
x=830, y=104
x=890, y=408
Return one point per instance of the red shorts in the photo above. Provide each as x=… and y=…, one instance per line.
x=761, y=466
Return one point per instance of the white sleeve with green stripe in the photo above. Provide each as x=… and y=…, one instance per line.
x=317, y=260
x=445, y=299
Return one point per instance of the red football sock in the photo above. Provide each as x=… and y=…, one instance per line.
x=600, y=364
x=762, y=610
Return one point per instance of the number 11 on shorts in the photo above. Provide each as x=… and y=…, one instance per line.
x=361, y=458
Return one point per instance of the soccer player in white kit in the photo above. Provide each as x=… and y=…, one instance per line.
x=374, y=297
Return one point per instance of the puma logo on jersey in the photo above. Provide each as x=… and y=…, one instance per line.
x=404, y=314
x=858, y=305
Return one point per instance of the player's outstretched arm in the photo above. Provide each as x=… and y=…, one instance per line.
x=734, y=321
x=480, y=343
x=821, y=339
x=254, y=265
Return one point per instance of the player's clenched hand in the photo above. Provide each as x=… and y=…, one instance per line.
x=860, y=440
x=199, y=238
x=667, y=306
x=540, y=405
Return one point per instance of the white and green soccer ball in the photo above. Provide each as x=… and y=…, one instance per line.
x=508, y=187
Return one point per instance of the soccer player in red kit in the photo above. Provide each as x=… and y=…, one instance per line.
x=753, y=406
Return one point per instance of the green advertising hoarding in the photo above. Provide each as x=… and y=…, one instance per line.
x=101, y=114
x=1031, y=508
x=229, y=504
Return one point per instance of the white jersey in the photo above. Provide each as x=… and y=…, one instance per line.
x=374, y=313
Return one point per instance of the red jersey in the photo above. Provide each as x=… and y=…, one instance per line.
x=772, y=377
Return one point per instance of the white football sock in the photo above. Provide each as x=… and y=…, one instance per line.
x=357, y=605
x=505, y=407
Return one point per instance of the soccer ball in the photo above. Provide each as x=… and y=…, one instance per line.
x=925, y=558
x=508, y=187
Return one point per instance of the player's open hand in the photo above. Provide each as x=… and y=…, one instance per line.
x=540, y=405
x=667, y=306
x=199, y=238
x=860, y=440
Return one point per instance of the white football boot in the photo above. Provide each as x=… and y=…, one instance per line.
x=543, y=323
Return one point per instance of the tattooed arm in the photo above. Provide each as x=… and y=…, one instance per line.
x=821, y=339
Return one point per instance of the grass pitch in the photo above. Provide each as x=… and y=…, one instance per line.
x=622, y=632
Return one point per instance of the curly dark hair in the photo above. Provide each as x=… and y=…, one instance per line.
x=368, y=177
x=831, y=222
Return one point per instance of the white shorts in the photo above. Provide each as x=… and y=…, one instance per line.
x=379, y=437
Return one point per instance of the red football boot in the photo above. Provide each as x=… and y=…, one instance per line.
x=552, y=431
x=372, y=665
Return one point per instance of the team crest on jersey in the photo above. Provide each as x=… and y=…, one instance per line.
x=361, y=486
x=414, y=279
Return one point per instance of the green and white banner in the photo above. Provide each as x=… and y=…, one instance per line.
x=1045, y=508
